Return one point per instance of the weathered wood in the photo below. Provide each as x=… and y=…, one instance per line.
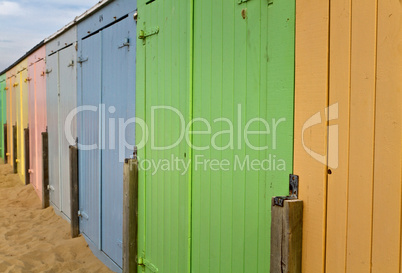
x=130, y=216
x=27, y=163
x=286, y=237
x=5, y=144
x=15, y=164
x=74, y=197
x=45, y=170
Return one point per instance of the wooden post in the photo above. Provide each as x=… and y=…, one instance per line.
x=286, y=236
x=5, y=143
x=15, y=164
x=26, y=139
x=45, y=171
x=130, y=215
x=74, y=194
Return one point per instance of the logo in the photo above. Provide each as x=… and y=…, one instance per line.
x=331, y=158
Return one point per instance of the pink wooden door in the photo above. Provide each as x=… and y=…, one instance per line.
x=37, y=115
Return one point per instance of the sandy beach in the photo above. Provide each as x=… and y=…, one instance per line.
x=37, y=240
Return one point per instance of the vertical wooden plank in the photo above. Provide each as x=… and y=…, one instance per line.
x=74, y=195
x=388, y=140
x=26, y=155
x=311, y=88
x=130, y=216
x=293, y=223
x=363, y=74
x=276, y=238
x=339, y=94
x=286, y=237
x=239, y=176
x=228, y=110
x=45, y=170
x=15, y=166
x=5, y=144
x=10, y=120
x=126, y=216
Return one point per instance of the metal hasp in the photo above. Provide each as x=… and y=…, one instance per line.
x=293, y=191
x=144, y=34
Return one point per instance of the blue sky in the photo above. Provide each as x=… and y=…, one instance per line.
x=24, y=23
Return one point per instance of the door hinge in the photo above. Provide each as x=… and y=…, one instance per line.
x=148, y=264
x=293, y=191
x=239, y=2
x=144, y=34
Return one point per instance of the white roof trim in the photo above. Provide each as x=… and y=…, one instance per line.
x=79, y=18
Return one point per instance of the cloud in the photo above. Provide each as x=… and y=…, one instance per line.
x=10, y=8
x=24, y=23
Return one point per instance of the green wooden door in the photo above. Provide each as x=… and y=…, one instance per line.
x=163, y=80
x=243, y=87
x=228, y=69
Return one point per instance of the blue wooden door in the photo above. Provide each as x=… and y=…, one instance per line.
x=107, y=84
x=118, y=96
x=89, y=138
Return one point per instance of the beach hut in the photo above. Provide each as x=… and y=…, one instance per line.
x=37, y=113
x=61, y=99
x=224, y=76
x=106, y=90
x=3, y=115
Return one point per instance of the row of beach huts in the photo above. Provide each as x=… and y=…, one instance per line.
x=163, y=130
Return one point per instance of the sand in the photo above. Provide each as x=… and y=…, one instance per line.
x=34, y=239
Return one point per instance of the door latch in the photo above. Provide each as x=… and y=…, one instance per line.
x=82, y=214
x=144, y=34
x=126, y=42
x=82, y=60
